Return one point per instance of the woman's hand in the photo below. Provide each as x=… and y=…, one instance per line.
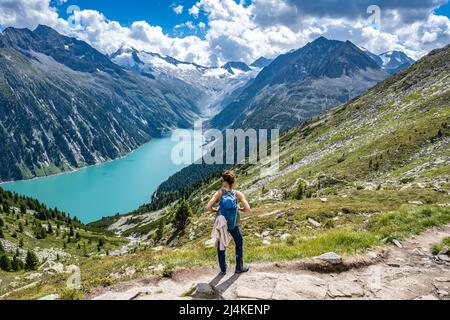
x=213, y=201
x=244, y=202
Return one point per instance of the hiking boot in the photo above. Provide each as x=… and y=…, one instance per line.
x=244, y=269
x=223, y=273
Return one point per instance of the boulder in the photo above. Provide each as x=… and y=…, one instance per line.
x=314, y=223
x=444, y=251
x=285, y=236
x=266, y=233
x=444, y=258
x=50, y=266
x=397, y=243
x=330, y=257
x=204, y=291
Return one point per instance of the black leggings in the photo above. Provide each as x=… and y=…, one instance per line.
x=239, y=242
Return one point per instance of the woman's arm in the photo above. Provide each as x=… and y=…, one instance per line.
x=244, y=202
x=216, y=198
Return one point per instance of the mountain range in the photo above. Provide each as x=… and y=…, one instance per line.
x=216, y=83
x=64, y=105
x=391, y=61
x=301, y=84
x=376, y=159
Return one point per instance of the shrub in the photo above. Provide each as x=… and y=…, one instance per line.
x=182, y=215
x=31, y=261
x=72, y=294
x=5, y=263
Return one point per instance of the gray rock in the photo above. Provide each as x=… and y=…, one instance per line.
x=444, y=258
x=50, y=297
x=285, y=236
x=345, y=289
x=442, y=293
x=444, y=251
x=397, y=243
x=330, y=257
x=204, y=291
x=314, y=223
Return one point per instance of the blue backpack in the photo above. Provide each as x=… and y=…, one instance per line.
x=228, y=208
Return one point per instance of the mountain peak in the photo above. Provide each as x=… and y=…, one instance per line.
x=321, y=39
x=41, y=28
x=261, y=62
x=229, y=66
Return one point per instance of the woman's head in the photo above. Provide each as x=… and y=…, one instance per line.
x=228, y=179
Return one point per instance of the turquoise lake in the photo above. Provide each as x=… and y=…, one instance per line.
x=118, y=186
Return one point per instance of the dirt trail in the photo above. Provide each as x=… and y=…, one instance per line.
x=410, y=272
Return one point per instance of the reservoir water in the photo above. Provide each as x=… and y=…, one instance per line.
x=118, y=186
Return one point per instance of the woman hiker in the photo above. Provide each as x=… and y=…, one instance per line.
x=228, y=200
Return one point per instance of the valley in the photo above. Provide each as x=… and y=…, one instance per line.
x=107, y=189
x=361, y=178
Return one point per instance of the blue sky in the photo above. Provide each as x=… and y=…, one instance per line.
x=444, y=10
x=155, y=12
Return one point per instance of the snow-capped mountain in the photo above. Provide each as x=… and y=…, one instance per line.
x=301, y=84
x=391, y=61
x=395, y=61
x=215, y=82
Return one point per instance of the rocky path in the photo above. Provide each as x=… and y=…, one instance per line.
x=406, y=271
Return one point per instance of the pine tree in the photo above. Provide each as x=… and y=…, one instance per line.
x=5, y=263
x=182, y=215
x=2, y=236
x=101, y=242
x=2, y=249
x=21, y=244
x=50, y=228
x=31, y=261
x=17, y=264
x=2, y=223
x=23, y=209
x=6, y=207
x=20, y=227
x=160, y=231
x=71, y=231
x=301, y=190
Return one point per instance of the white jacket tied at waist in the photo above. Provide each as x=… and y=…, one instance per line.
x=220, y=232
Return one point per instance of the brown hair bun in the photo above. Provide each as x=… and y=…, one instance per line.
x=229, y=177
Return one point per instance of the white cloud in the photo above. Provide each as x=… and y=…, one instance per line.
x=194, y=11
x=178, y=9
x=239, y=31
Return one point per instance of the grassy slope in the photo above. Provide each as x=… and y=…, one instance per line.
x=54, y=243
